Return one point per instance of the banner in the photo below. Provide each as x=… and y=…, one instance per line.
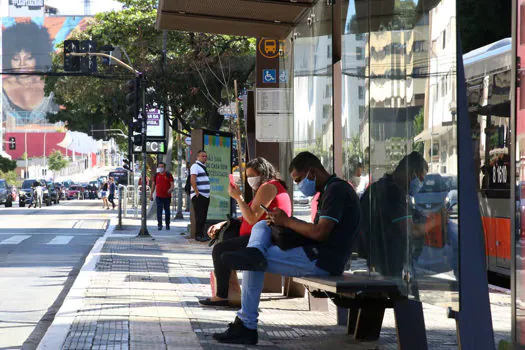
x=219, y=150
x=27, y=44
x=26, y=8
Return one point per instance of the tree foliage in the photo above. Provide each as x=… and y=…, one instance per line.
x=7, y=164
x=482, y=22
x=197, y=76
x=56, y=161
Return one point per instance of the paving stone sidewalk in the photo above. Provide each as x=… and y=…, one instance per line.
x=144, y=295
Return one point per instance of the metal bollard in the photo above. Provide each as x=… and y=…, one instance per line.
x=120, y=194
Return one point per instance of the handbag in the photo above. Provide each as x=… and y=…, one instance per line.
x=230, y=229
x=286, y=238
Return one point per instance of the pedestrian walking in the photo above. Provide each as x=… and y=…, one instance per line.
x=112, y=187
x=104, y=194
x=163, y=185
x=200, y=196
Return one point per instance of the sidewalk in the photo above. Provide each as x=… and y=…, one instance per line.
x=142, y=294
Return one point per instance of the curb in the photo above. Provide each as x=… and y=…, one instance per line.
x=57, y=332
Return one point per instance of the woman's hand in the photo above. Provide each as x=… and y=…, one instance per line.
x=234, y=192
x=212, y=231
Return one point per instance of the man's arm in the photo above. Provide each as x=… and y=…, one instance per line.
x=318, y=232
x=153, y=185
x=172, y=185
x=331, y=212
x=193, y=181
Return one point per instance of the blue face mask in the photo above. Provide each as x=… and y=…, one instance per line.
x=415, y=186
x=307, y=186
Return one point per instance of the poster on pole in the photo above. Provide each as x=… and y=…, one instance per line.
x=156, y=124
x=218, y=146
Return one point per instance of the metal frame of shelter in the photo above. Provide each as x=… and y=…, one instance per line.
x=277, y=18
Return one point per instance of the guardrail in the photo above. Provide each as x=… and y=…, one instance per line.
x=131, y=201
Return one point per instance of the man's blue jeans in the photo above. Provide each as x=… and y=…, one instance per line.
x=163, y=204
x=293, y=262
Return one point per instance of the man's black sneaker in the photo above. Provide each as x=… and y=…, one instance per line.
x=247, y=259
x=160, y=228
x=237, y=333
x=202, y=238
x=167, y=227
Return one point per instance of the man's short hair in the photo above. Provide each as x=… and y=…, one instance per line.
x=162, y=163
x=199, y=152
x=304, y=161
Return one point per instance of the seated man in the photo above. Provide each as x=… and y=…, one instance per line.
x=330, y=236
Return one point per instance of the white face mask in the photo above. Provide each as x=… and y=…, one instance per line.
x=160, y=170
x=254, y=182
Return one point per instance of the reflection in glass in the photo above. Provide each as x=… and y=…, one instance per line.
x=520, y=184
x=313, y=94
x=399, y=138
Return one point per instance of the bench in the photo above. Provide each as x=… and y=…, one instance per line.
x=366, y=298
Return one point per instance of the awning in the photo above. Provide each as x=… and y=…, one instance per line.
x=436, y=132
x=254, y=18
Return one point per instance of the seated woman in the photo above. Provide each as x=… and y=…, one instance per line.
x=270, y=192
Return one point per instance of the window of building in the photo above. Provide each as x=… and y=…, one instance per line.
x=359, y=53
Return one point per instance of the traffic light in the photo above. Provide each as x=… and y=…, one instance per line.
x=127, y=163
x=133, y=97
x=71, y=63
x=12, y=143
x=88, y=64
x=137, y=127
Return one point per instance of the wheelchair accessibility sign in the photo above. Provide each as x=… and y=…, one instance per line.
x=269, y=76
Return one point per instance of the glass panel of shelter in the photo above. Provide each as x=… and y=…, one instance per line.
x=399, y=141
x=313, y=95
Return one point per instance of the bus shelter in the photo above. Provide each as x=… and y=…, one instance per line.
x=363, y=84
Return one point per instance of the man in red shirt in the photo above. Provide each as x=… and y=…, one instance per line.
x=162, y=187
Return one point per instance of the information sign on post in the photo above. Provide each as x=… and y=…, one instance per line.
x=156, y=124
x=218, y=146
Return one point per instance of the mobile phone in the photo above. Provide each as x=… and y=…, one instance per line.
x=265, y=209
x=232, y=181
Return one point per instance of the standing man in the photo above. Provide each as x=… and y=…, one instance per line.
x=112, y=188
x=162, y=187
x=200, y=196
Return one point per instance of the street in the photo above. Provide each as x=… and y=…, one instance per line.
x=41, y=251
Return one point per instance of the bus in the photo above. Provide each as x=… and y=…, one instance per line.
x=488, y=72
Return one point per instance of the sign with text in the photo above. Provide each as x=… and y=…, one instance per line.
x=26, y=8
x=156, y=125
x=218, y=146
x=152, y=147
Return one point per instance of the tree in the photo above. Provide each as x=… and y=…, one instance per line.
x=418, y=126
x=7, y=165
x=10, y=177
x=188, y=83
x=482, y=22
x=56, y=162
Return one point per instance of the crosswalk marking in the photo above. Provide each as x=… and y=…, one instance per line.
x=15, y=239
x=61, y=240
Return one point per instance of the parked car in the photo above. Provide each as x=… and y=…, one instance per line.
x=26, y=191
x=53, y=193
x=75, y=192
x=6, y=197
x=434, y=194
x=300, y=198
x=438, y=193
